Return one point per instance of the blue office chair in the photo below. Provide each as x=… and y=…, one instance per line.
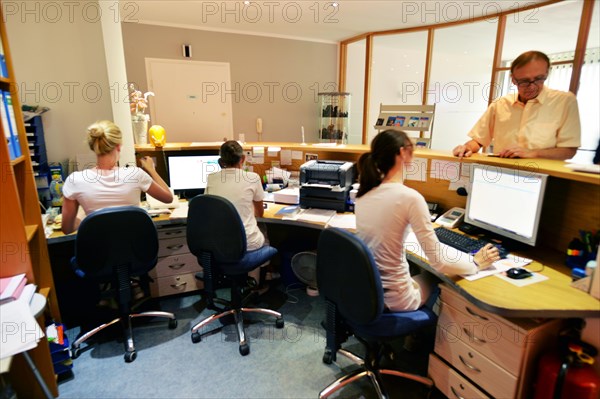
x=216, y=235
x=115, y=245
x=349, y=280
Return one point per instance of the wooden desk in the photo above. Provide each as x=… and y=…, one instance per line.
x=553, y=298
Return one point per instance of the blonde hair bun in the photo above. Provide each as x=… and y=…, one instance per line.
x=103, y=137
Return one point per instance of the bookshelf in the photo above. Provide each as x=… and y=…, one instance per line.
x=22, y=239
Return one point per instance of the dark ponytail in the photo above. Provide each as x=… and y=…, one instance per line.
x=373, y=166
x=231, y=154
x=369, y=176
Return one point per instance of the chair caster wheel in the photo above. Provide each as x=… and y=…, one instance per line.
x=172, y=324
x=279, y=322
x=327, y=357
x=244, y=349
x=75, y=352
x=130, y=356
x=196, y=337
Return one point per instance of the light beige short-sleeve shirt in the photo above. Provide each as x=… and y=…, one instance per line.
x=550, y=120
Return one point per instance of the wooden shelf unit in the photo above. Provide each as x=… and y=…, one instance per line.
x=22, y=238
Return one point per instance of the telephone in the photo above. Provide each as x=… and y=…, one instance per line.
x=452, y=218
x=433, y=210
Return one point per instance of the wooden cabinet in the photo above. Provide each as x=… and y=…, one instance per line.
x=23, y=245
x=479, y=354
x=176, y=268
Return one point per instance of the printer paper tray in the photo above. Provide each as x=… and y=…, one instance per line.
x=323, y=203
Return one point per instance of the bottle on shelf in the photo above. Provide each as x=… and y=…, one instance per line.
x=56, y=189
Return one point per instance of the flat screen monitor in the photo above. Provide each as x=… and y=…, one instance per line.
x=188, y=174
x=507, y=202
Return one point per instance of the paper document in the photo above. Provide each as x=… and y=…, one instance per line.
x=278, y=174
x=20, y=331
x=535, y=278
x=343, y=221
x=316, y=215
x=181, y=212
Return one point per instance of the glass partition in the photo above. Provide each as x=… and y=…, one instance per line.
x=588, y=96
x=460, y=80
x=355, y=85
x=397, y=73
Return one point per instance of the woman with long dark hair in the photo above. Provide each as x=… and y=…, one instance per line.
x=386, y=209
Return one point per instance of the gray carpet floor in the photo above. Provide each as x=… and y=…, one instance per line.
x=283, y=363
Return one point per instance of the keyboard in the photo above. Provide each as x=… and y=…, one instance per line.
x=464, y=243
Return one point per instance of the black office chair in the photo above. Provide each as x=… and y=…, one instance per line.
x=349, y=280
x=216, y=235
x=115, y=245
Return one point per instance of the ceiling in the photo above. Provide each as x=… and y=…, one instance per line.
x=314, y=20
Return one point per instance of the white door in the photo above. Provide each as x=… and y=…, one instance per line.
x=190, y=99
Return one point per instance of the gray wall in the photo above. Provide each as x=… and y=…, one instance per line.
x=60, y=64
x=275, y=79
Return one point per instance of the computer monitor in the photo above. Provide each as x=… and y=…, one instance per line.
x=507, y=202
x=188, y=173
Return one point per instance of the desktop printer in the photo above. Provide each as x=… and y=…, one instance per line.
x=326, y=184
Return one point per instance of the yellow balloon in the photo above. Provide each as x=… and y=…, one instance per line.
x=158, y=136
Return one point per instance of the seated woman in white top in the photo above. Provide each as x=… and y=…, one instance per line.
x=107, y=184
x=242, y=188
x=386, y=208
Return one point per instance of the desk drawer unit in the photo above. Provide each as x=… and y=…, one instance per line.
x=497, y=355
x=450, y=383
x=176, y=284
x=176, y=268
x=498, y=382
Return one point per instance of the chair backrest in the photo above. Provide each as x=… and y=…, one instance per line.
x=214, y=226
x=348, y=276
x=114, y=237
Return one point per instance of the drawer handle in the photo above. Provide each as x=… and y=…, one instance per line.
x=469, y=365
x=177, y=266
x=472, y=313
x=170, y=233
x=456, y=394
x=472, y=337
x=175, y=246
x=178, y=285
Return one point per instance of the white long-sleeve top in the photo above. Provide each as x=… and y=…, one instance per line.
x=383, y=217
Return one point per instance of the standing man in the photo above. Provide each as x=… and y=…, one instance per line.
x=537, y=122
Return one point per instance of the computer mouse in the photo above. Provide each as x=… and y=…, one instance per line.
x=518, y=273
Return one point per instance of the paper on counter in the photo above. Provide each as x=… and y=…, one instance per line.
x=181, y=212
x=316, y=215
x=536, y=278
x=277, y=173
x=343, y=221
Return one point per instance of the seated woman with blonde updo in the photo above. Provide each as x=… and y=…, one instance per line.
x=108, y=184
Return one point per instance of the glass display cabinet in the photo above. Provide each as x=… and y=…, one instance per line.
x=334, y=117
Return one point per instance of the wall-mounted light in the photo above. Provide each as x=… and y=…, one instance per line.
x=187, y=51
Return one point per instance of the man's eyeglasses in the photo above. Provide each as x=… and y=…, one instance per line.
x=524, y=83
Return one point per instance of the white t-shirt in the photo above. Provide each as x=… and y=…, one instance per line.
x=95, y=189
x=241, y=188
x=383, y=216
